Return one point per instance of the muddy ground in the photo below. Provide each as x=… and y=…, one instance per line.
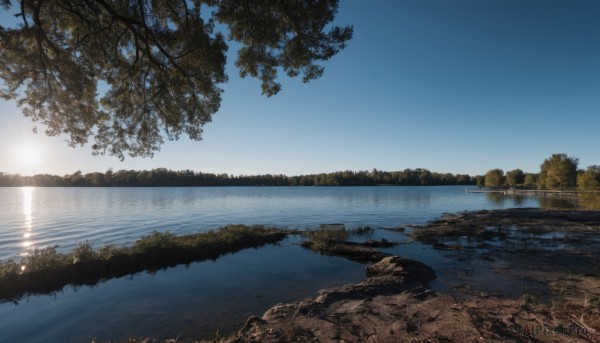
x=521, y=275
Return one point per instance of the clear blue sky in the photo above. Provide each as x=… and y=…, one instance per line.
x=452, y=86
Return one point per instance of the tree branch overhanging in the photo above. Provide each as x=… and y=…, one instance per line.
x=54, y=62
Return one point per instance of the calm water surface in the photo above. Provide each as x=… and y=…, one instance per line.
x=41, y=217
x=196, y=300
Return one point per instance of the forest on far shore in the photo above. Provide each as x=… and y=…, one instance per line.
x=559, y=171
x=162, y=177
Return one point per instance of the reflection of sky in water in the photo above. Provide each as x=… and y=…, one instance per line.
x=64, y=217
x=199, y=298
x=193, y=301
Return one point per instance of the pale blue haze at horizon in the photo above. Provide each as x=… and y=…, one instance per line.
x=451, y=86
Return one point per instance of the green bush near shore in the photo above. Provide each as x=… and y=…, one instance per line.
x=47, y=270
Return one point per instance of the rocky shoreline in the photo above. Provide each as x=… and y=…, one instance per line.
x=351, y=313
x=552, y=254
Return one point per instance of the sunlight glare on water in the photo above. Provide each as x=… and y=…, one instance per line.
x=27, y=211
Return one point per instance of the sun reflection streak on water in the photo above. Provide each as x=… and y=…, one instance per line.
x=27, y=211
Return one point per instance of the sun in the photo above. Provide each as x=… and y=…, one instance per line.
x=28, y=155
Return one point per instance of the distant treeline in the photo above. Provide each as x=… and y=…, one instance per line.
x=162, y=177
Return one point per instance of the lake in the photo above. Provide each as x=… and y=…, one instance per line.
x=194, y=301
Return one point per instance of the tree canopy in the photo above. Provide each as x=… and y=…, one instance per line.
x=529, y=180
x=163, y=177
x=590, y=178
x=126, y=74
x=559, y=170
x=494, y=178
x=515, y=177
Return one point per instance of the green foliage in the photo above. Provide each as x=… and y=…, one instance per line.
x=165, y=177
x=558, y=171
x=515, y=177
x=494, y=178
x=322, y=239
x=108, y=251
x=9, y=269
x=156, y=241
x=46, y=270
x=48, y=258
x=480, y=180
x=159, y=64
x=44, y=259
x=530, y=180
x=235, y=232
x=590, y=179
x=282, y=34
x=84, y=252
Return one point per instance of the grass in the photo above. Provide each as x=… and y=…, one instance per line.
x=47, y=270
x=332, y=242
x=323, y=239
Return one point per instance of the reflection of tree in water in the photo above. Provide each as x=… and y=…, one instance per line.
x=590, y=201
x=552, y=202
x=419, y=199
x=518, y=200
x=496, y=198
x=544, y=202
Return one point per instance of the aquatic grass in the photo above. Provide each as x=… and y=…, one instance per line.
x=155, y=242
x=333, y=243
x=84, y=252
x=44, y=259
x=323, y=239
x=47, y=270
x=9, y=268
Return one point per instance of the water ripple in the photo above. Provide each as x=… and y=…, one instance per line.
x=39, y=217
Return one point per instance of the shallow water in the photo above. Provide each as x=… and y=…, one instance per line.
x=194, y=301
